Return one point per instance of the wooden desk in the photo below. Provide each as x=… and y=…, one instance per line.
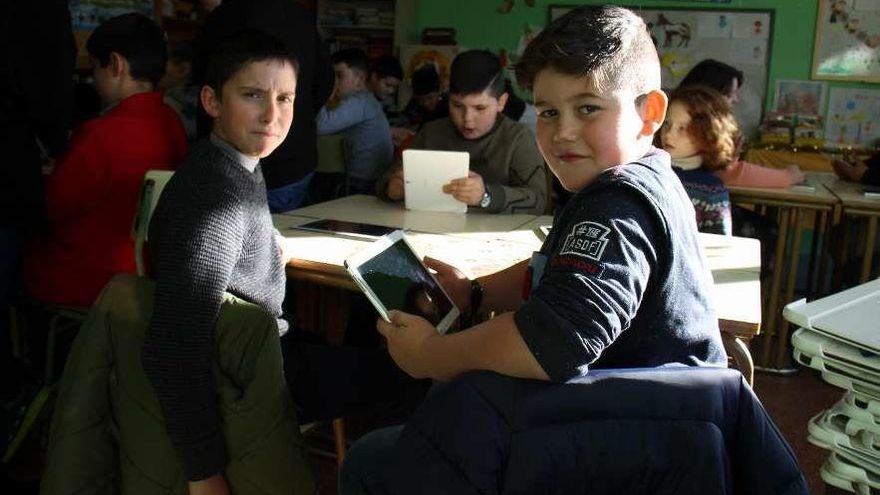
x=855, y=204
x=318, y=258
x=793, y=204
x=369, y=209
x=808, y=161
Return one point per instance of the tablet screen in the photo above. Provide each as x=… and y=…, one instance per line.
x=400, y=281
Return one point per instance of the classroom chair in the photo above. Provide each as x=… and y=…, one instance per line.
x=330, y=180
x=682, y=430
x=154, y=183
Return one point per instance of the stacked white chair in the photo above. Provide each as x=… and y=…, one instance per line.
x=840, y=337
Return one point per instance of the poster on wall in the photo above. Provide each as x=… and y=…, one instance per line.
x=685, y=36
x=799, y=97
x=847, y=43
x=852, y=118
x=86, y=15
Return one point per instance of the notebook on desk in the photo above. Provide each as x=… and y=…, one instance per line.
x=425, y=172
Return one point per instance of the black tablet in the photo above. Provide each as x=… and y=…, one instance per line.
x=393, y=277
x=349, y=228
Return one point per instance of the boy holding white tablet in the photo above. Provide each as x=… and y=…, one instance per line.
x=507, y=173
x=620, y=281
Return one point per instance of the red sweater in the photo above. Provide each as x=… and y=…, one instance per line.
x=92, y=195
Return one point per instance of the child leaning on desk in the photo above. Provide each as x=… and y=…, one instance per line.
x=620, y=281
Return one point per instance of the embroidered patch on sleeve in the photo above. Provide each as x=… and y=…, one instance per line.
x=586, y=239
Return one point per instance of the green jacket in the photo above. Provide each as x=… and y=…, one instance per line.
x=108, y=433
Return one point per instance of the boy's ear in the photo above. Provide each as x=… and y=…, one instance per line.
x=118, y=65
x=210, y=101
x=653, y=111
x=502, y=100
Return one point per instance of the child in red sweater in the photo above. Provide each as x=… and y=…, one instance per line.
x=92, y=194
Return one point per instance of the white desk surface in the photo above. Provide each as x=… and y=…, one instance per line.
x=474, y=256
x=735, y=262
x=370, y=209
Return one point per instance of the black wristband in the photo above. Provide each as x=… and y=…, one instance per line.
x=476, y=298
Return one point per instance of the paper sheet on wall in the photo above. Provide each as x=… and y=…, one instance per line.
x=715, y=26
x=748, y=52
x=866, y=5
x=853, y=117
x=750, y=26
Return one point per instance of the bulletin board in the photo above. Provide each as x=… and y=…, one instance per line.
x=684, y=37
x=847, y=44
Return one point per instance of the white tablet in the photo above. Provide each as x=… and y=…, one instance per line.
x=425, y=172
x=393, y=277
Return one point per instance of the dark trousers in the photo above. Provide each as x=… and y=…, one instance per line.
x=331, y=381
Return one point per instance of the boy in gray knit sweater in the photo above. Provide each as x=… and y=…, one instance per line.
x=212, y=233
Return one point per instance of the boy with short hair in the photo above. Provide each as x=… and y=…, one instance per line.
x=92, y=194
x=354, y=112
x=507, y=173
x=385, y=76
x=212, y=233
x=620, y=281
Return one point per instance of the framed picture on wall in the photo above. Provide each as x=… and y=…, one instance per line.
x=799, y=97
x=847, y=46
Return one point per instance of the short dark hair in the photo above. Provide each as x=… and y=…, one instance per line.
x=242, y=48
x=609, y=43
x=425, y=80
x=387, y=66
x=135, y=37
x=354, y=58
x=714, y=74
x=475, y=71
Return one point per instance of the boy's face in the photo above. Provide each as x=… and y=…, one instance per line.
x=474, y=115
x=674, y=134
x=256, y=108
x=583, y=130
x=383, y=87
x=348, y=80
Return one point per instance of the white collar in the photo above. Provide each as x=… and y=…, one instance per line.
x=248, y=162
x=692, y=162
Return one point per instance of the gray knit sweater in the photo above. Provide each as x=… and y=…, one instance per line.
x=211, y=233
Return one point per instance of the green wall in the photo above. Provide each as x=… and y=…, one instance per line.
x=479, y=25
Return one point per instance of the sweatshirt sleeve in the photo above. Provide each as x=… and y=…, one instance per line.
x=526, y=189
x=744, y=174
x=351, y=111
x=582, y=305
